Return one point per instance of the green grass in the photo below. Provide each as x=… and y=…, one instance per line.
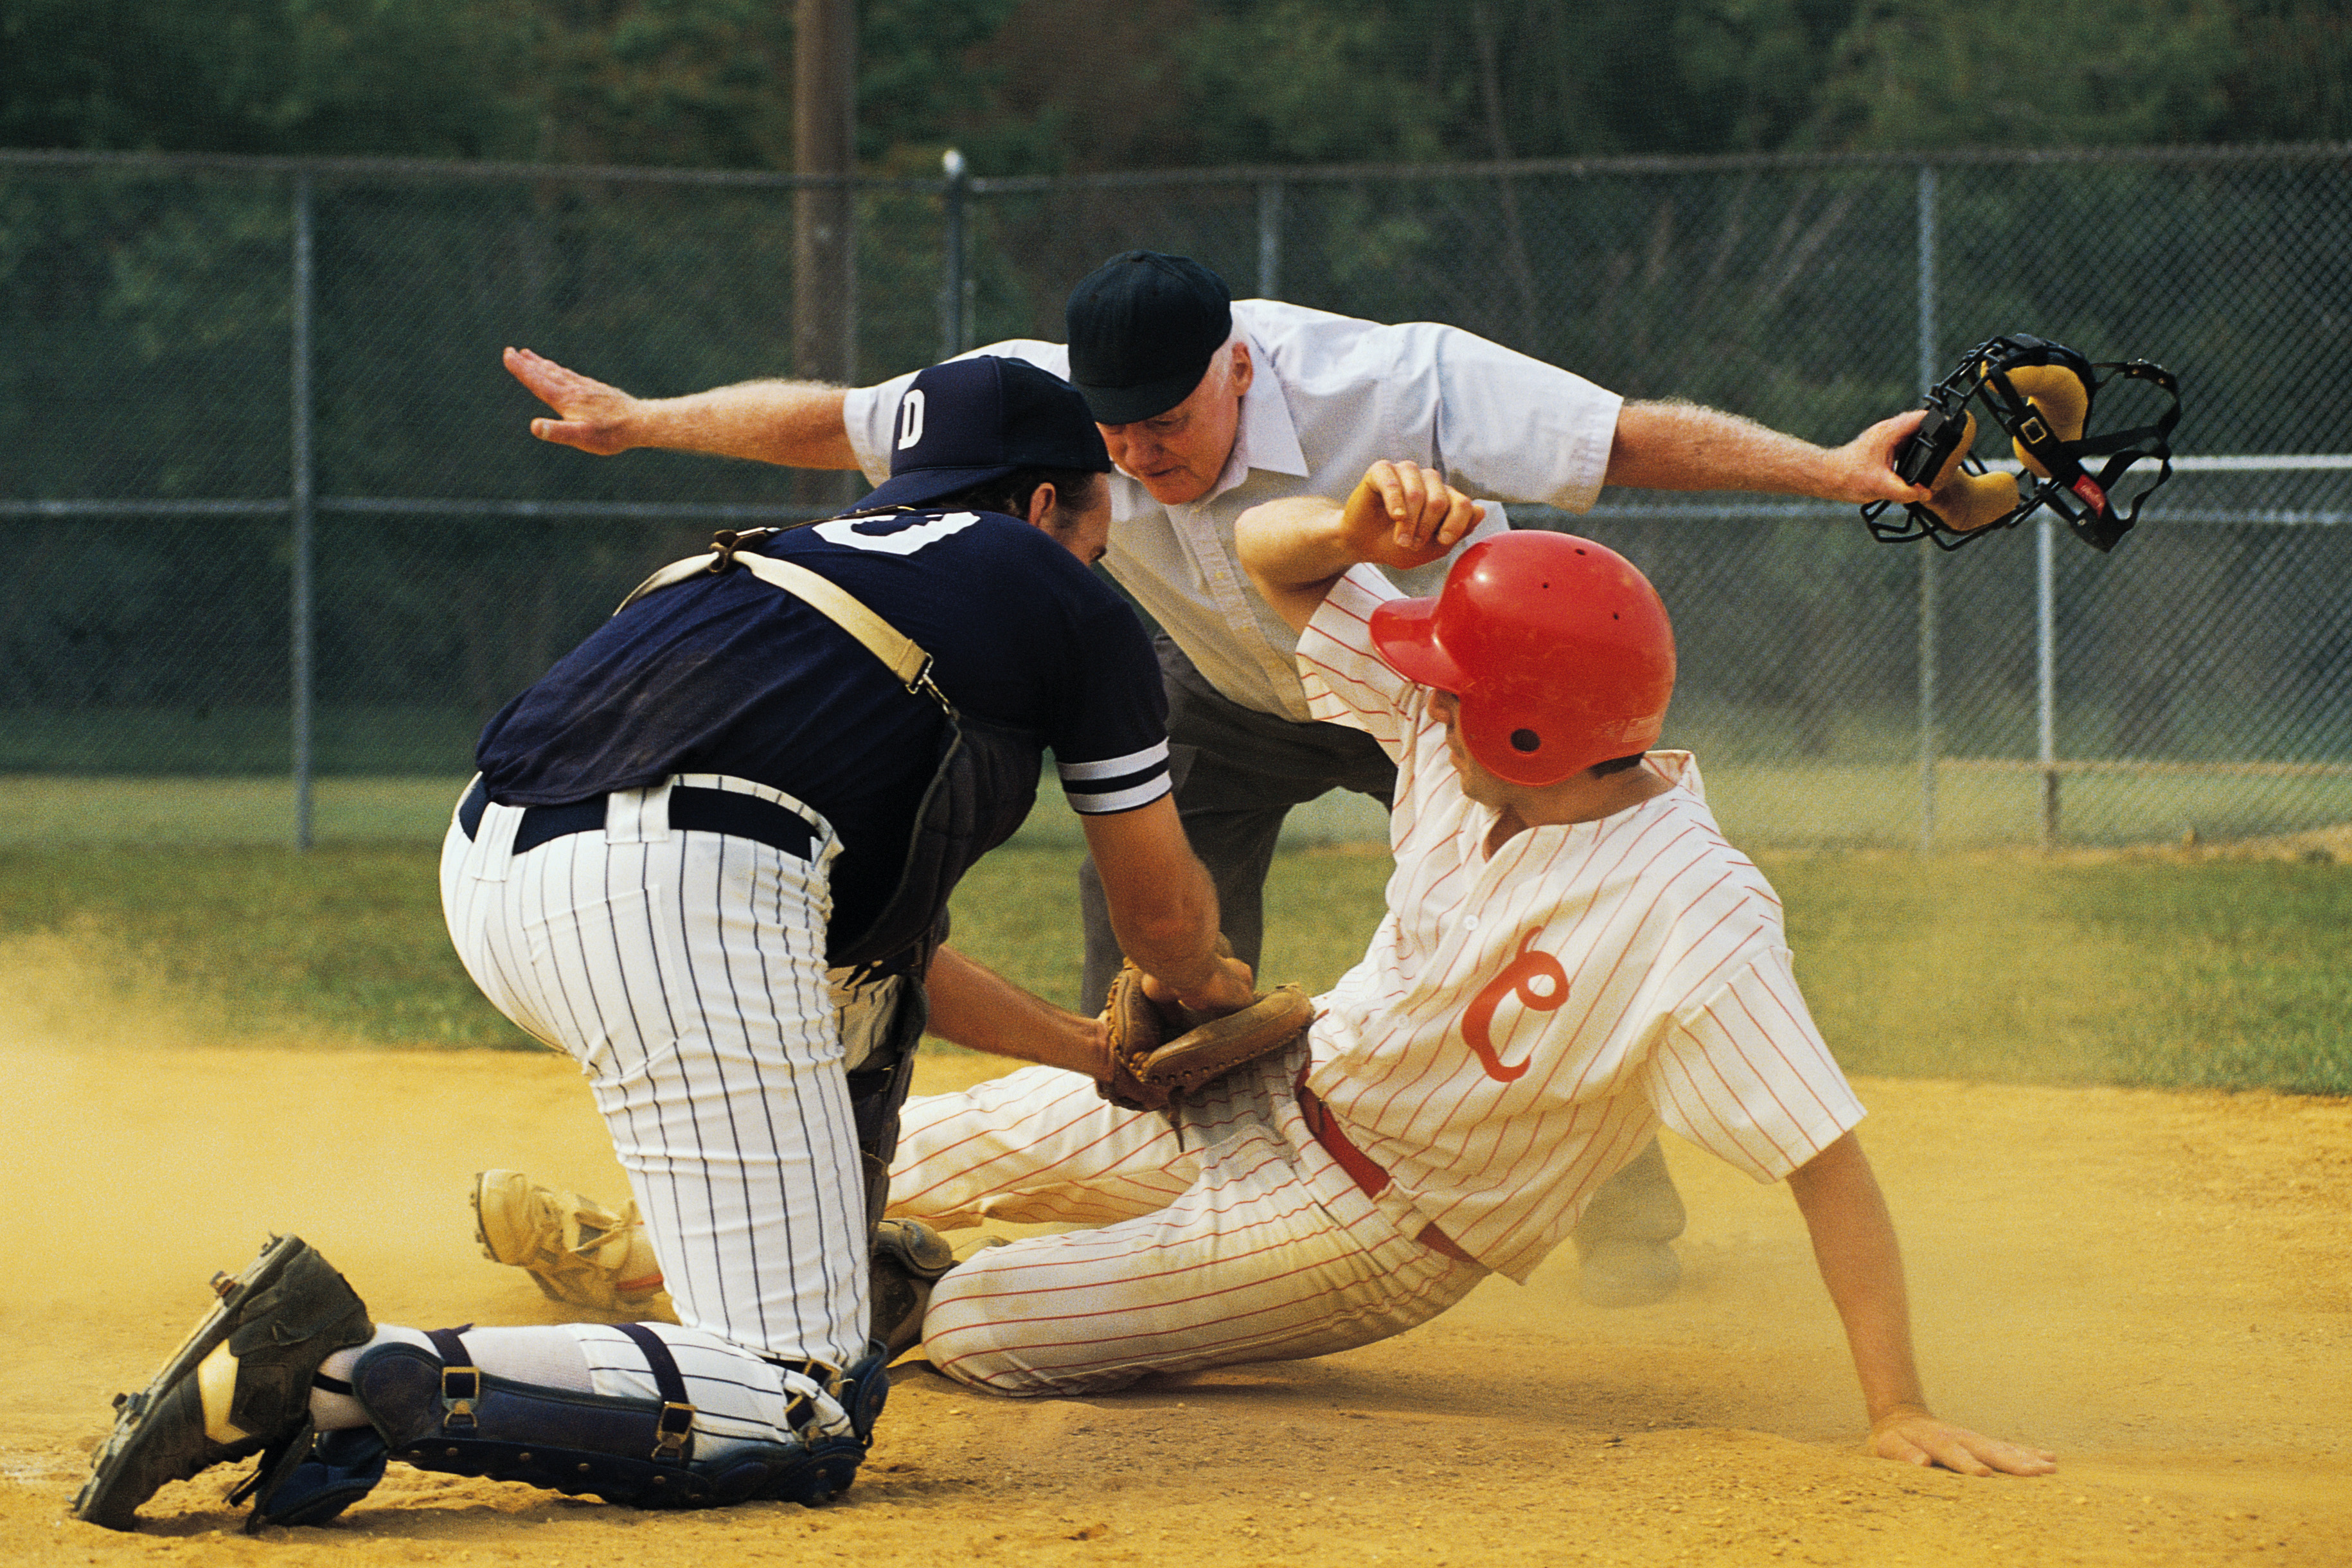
x=2004, y=967
x=1785, y=804
x=58, y=811
x=2178, y=973
x=245, y=943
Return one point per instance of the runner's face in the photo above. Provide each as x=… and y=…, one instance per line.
x=1476, y=782
x=1178, y=454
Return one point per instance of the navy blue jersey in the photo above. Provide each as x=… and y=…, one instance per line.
x=728, y=675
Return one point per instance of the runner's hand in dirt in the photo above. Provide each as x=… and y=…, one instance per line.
x=1915, y=1436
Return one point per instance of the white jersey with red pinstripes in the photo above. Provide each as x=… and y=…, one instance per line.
x=1520, y=1024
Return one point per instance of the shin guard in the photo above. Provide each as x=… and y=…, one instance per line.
x=440, y=1413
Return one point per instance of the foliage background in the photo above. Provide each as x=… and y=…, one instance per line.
x=1060, y=86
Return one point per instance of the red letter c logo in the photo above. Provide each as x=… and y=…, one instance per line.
x=1541, y=984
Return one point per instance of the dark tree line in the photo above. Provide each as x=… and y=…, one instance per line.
x=1044, y=85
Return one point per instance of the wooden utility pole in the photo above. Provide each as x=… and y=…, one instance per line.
x=825, y=142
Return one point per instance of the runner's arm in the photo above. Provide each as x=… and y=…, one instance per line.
x=1862, y=1264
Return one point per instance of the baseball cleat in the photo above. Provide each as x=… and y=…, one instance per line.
x=238, y=1384
x=575, y=1250
x=1626, y=1273
x=1620, y=1238
x=908, y=1258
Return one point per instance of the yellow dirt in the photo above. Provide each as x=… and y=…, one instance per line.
x=2156, y=1285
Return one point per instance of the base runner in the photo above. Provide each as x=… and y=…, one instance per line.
x=1572, y=956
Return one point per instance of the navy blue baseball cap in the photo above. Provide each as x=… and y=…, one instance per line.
x=972, y=420
x=1142, y=329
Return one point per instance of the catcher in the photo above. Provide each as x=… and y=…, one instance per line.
x=709, y=854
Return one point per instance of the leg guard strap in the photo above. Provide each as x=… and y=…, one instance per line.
x=449, y=1416
x=313, y=1477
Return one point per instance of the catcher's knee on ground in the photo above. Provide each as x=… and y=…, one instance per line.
x=287, y=1366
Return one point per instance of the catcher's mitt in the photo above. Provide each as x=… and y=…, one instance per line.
x=1157, y=1053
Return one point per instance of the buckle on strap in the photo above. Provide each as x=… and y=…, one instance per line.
x=923, y=686
x=672, y=1433
x=674, y=1428
x=728, y=540
x=461, y=1382
x=461, y=1389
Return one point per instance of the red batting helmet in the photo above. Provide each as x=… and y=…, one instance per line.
x=1557, y=647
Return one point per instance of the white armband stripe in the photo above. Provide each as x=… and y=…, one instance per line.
x=1112, y=767
x=1119, y=800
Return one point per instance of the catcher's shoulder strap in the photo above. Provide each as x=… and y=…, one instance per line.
x=900, y=654
x=981, y=789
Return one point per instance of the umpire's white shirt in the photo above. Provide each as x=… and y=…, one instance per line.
x=1332, y=396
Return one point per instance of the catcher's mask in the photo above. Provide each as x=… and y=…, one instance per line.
x=1557, y=649
x=2039, y=394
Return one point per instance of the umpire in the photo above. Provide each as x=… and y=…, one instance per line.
x=708, y=854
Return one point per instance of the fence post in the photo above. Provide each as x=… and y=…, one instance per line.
x=2045, y=661
x=299, y=494
x=1269, y=239
x=951, y=200
x=1927, y=553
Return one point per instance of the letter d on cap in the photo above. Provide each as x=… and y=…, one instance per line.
x=911, y=417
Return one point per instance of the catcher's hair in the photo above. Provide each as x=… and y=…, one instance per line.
x=1011, y=494
x=1615, y=765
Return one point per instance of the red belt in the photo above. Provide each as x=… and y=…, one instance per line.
x=1360, y=1168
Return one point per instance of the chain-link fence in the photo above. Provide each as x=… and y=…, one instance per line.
x=270, y=510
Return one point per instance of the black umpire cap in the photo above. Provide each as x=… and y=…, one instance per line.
x=1142, y=329
x=972, y=420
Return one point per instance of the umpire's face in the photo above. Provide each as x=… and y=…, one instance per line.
x=1178, y=454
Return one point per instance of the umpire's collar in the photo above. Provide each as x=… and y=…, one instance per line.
x=1267, y=438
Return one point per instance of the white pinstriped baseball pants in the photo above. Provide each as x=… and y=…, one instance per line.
x=685, y=972
x=1240, y=1240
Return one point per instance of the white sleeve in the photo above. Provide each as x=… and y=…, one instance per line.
x=1516, y=428
x=1347, y=681
x=1744, y=1074
x=868, y=414
x=871, y=412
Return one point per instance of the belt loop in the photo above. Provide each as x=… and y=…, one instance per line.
x=494, y=837
x=638, y=815
x=1368, y=1177
x=1360, y=1167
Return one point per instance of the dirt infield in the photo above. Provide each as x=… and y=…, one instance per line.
x=2158, y=1285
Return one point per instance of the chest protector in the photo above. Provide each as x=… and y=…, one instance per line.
x=982, y=784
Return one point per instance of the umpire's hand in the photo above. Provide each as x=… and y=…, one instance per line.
x=595, y=417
